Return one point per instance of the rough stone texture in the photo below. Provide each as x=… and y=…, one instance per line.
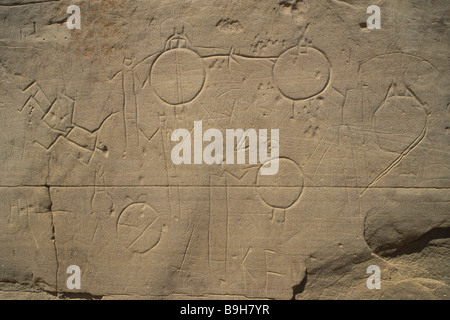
x=86, y=176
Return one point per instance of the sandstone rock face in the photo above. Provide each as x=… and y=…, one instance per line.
x=88, y=176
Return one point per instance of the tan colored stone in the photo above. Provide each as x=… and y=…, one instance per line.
x=87, y=177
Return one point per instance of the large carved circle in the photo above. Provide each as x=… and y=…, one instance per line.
x=301, y=75
x=178, y=76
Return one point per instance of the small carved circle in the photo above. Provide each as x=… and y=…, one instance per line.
x=139, y=228
x=282, y=189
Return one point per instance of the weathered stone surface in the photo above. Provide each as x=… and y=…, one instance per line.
x=87, y=176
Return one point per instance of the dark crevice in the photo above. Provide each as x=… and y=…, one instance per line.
x=290, y=3
x=53, y=237
x=50, y=205
x=363, y=25
x=33, y=287
x=299, y=288
x=416, y=245
x=79, y=295
x=59, y=20
x=25, y=3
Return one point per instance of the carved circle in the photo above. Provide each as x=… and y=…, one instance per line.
x=301, y=75
x=178, y=76
x=139, y=228
x=284, y=188
x=398, y=122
